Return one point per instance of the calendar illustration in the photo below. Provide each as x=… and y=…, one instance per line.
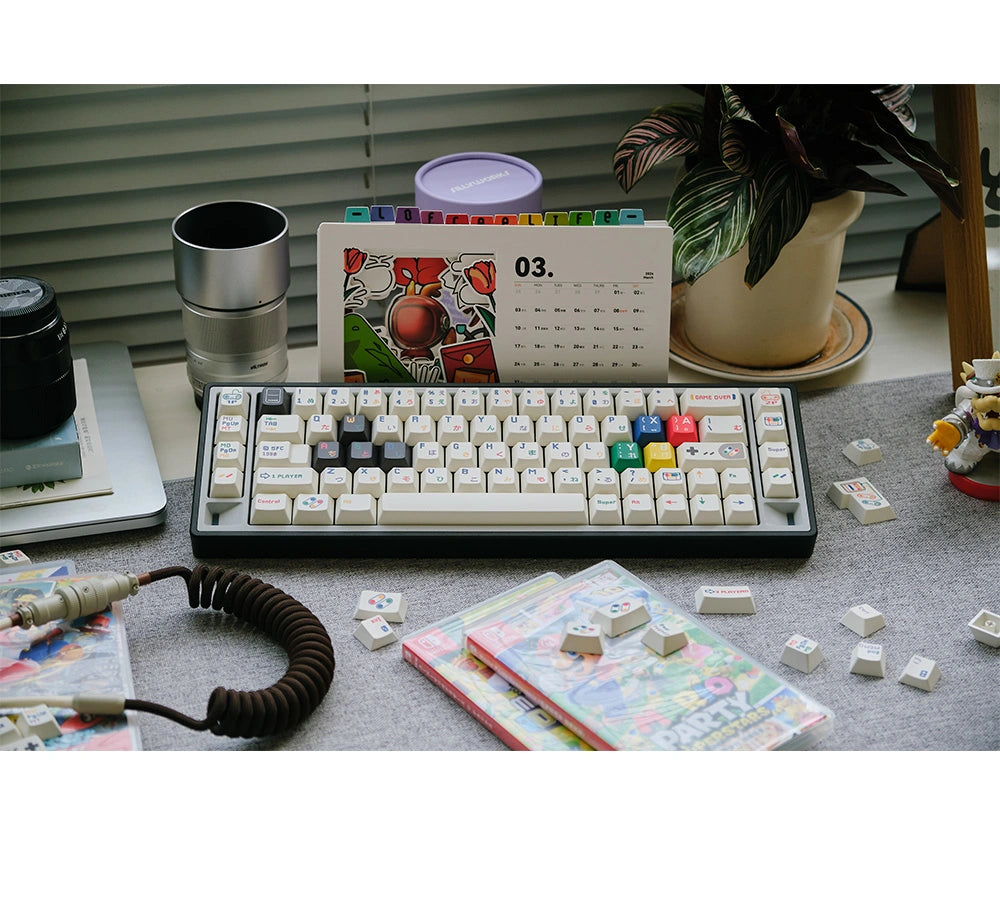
x=470, y=303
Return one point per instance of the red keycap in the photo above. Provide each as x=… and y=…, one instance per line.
x=681, y=429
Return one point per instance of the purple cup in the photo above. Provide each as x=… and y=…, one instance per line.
x=478, y=183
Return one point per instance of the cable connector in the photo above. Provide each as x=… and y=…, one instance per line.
x=77, y=599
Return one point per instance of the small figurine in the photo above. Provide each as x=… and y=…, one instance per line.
x=972, y=429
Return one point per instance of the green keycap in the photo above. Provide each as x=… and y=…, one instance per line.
x=625, y=454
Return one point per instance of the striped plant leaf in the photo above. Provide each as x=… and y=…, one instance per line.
x=782, y=199
x=668, y=131
x=710, y=213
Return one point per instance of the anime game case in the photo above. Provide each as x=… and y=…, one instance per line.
x=61, y=658
x=437, y=652
x=707, y=695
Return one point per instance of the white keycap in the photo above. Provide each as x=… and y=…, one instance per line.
x=706, y=508
x=774, y=455
x=435, y=402
x=271, y=508
x=281, y=454
x=503, y=480
x=290, y=481
x=460, y=454
x=229, y=454
x=306, y=401
x=582, y=637
x=735, y=480
x=985, y=627
x=570, y=480
x=560, y=455
x=739, y=508
x=801, y=653
x=435, y=480
x=865, y=502
x=777, y=483
x=702, y=480
x=281, y=427
x=335, y=482
x=320, y=427
x=701, y=401
x=863, y=620
x=550, y=429
x=38, y=721
x=313, y=509
x=227, y=483
x=664, y=638
x=536, y=480
x=672, y=509
x=630, y=402
x=233, y=401
x=525, y=455
x=724, y=600
x=338, y=402
x=583, y=429
x=722, y=429
x=386, y=429
x=637, y=482
x=863, y=451
x=10, y=557
x=231, y=427
x=603, y=480
x=605, y=509
x=592, y=455
x=404, y=402
x=669, y=480
x=616, y=428
x=518, y=429
x=370, y=481
x=620, y=616
x=357, y=508
x=417, y=428
x=533, y=402
x=469, y=480
x=868, y=659
x=468, y=402
x=371, y=401
x=402, y=480
x=8, y=731
x=771, y=427
x=565, y=402
x=494, y=454
x=495, y=509
x=451, y=428
x=920, y=672
x=662, y=401
x=427, y=455
x=374, y=633
x=638, y=509
x=485, y=429
x=767, y=399
x=501, y=402
x=717, y=456
x=599, y=402
x=391, y=606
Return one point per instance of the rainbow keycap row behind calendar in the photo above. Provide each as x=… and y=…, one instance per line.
x=412, y=215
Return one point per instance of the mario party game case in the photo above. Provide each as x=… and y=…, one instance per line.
x=705, y=695
x=488, y=303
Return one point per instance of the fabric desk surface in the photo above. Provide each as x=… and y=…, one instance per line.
x=929, y=572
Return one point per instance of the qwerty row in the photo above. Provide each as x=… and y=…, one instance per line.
x=327, y=469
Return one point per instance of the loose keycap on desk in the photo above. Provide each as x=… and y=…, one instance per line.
x=496, y=470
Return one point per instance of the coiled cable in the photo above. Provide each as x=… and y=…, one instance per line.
x=258, y=713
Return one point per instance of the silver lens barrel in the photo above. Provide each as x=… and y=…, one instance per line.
x=231, y=267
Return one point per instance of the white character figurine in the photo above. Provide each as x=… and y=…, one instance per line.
x=972, y=429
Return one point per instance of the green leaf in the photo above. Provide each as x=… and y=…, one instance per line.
x=710, y=213
x=782, y=200
x=668, y=131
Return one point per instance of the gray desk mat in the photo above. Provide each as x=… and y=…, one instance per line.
x=929, y=571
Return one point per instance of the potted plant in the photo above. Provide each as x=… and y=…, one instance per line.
x=773, y=177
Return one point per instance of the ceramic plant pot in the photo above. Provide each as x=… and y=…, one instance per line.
x=785, y=319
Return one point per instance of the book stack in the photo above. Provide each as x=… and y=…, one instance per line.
x=501, y=660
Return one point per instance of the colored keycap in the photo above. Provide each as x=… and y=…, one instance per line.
x=407, y=215
x=556, y=218
x=530, y=218
x=647, y=429
x=681, y=429
x=481, y=220
x=431, y=217
x=581, y=217
x=357, y=214
x=625, y=454
x=383, y=214
x=456, y=218
x=631, y=217
x=606, y=217
x=658, y=455
x=505, y=219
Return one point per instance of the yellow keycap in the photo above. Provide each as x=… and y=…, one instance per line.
x=658, y=455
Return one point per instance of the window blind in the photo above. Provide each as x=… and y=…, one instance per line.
x=91, y=177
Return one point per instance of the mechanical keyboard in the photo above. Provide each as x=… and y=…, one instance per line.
x=588, y=470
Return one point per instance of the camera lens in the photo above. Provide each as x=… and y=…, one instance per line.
x=37, y=389
x=231, y=269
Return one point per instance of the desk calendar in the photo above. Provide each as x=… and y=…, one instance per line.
x=485, y=303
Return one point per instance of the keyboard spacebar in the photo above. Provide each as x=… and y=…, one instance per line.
x=482, y=508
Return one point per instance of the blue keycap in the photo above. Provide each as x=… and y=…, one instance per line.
x=647, y=429
x=383, y=214
x=631, y=217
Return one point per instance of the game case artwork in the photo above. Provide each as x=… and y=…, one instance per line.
x=420, y=319
x=85, y=655
x=707, y=695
